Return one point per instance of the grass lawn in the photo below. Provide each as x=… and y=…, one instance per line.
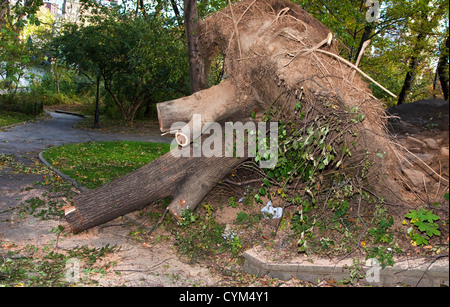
x=9, y=118
x=93, y=164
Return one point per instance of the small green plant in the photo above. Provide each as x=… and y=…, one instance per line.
x=423, y=221
x=232, y=202
x=236, y=245
x=355, y=272
x=382, y=222
x=199, y=236
x=242, y=218
x=385, y=255
x=188, y=217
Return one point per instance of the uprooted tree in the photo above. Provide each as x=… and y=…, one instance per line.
x=282, y=65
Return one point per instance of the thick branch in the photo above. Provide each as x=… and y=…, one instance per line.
x=211, y=105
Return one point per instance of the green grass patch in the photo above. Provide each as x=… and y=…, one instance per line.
x=93, y=164
x=10, y=118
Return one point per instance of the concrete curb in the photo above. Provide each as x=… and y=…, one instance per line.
x=71, y=113
x=60, y=174
x=418, y=272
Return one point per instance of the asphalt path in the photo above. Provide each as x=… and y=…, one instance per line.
x=25, y=141
x=58, y=130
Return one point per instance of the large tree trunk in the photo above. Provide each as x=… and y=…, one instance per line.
x=197, y=65
x=442, y=69
x=187, y=180
x=211, y=105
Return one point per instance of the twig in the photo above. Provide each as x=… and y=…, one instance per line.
x=329, y=82
x=363, y=49
x=147, y=270
x=439, y=185
x=246, y=10
x=239, y=20
x=311, y=50
x=431, y=263
x=357, y=69
x=425, y=186
x=242, y=183
x=280, y=13
x=235, y=29
x=159, y=221
x=281, y=219
x=307, y=51
x=292, y=37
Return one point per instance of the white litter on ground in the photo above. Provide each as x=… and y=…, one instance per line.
x=270, y=212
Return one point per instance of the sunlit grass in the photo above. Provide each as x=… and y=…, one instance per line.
x=93, y=164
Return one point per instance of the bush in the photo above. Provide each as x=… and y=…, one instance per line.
x=26, y=103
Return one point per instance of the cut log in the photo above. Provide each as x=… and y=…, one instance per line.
x=203, y=108
x=187, y=180
x=215, y=100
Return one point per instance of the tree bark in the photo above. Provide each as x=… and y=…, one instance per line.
x=177, y=12
x=169, y=176
x=409, y=78
x=197, y=65
x=413, y=63
x=442, y=69
x=365, y=37
x=140, y=3
x=212, y=105
x=97, y=100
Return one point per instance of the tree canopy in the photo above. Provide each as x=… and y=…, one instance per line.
x=406, y=41
x=137, y=57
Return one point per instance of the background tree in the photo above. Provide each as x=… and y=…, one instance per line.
x=197, y=66
x=425, y=19
x=443, y=66
x=4, y=6
x=137, y=58
x=16, y=50
x=397, y=52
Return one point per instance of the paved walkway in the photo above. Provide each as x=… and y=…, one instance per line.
x=138, y=264
x=57, y=130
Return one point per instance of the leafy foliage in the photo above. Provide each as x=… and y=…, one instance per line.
x=44, y=266
x=425, y=222
x=396, y=39
x=21, y=40
x=139, y=59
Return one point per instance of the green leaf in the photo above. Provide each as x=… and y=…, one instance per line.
x=262, y=191
x=419, y=239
